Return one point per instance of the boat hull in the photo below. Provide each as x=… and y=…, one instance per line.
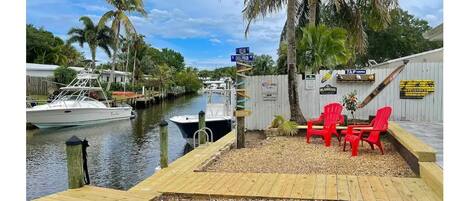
x=219, y=127
x=61, y=117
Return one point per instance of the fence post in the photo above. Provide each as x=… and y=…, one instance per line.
x=163, y=144
x=74, y=162
x=202, y=125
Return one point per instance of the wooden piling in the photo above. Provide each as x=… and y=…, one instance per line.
x=163, y=144
x=74, y=162
x=202, y=135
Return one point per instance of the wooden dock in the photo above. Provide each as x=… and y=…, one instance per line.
x=182, y=177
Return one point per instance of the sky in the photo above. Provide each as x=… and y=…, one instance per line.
x=205, y=32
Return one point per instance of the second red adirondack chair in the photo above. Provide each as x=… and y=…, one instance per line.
x=379, y=124
x=331, y=116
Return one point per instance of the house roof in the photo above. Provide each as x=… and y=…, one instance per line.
x=435, y=34
x=47, y=67
x=50, y=67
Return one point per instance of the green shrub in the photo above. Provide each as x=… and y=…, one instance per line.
x=289, y=128
x=278, y=120
x=64, y=75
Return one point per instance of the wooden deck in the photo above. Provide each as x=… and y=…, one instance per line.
x=180, y=178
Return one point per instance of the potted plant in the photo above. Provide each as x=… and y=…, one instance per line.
x=350, y=102
x=280, y=126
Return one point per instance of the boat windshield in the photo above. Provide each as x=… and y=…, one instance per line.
x=76, y=98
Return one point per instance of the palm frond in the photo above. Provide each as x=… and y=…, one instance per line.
x=254, y=9
x=105, y=18
x=87, y=22
x=124, y=19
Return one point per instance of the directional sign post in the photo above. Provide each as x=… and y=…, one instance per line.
x=243, y=59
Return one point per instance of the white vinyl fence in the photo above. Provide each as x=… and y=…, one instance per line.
x=428, y=109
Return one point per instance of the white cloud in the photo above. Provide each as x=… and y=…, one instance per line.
x=215, y=40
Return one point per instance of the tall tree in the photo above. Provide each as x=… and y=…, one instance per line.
x=93, y=36
x=322, y=46
x=118, y=17
x=263, y=65
x=403, y=37
x=259, y=8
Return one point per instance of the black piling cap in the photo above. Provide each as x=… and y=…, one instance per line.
x=201, y=113
x=74, y=140
x=406, y=61
x=163, y=123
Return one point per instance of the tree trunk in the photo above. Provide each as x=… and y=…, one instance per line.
x=93, y=57
x=114, y=55
x=126, y=65
x=295, y=111
x=312, y=4
x=133, y=70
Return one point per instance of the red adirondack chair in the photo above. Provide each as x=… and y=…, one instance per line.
x=379, y=124
x=331, y=116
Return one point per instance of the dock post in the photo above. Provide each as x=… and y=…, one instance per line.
x=74, y=162
x=202, y=125
x=163, y=144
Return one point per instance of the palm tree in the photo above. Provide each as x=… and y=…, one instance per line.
x=321, y=46
x=138, y=45
x=257, y=8
x=352, y=15
x=119, y=17
x=93, y=36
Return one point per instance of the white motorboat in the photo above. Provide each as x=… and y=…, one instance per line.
x=218, y=116
x=79, y=103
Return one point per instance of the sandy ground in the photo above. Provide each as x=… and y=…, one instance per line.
x=293, y=155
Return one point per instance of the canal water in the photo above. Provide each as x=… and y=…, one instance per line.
x=120, y=155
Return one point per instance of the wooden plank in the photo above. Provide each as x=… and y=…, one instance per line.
x=365, y=189
x=248, y=181
x=432, y=175
x=415, y=189
x=256, y=187
x=422, y=151
x=354, y=188
x=216, y=188
x=212, y=178
x=320, y=187
x=299, y=186
x=288, y=186
x=428, y=191
x=309, y=187
x=277, y=187
x=389, y=189
x=268, y=185
x=406, y=195
x=378, y=189
x=342, y=188
x=331, y=187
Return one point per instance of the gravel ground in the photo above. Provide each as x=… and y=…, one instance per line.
x=293, y=155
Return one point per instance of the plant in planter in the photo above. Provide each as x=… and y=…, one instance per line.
x=289, y=128
x=280, y=126
x=350, y=102
x=273, y=130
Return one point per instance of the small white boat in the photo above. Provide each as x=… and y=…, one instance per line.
x=218, y=117
x=79, y=103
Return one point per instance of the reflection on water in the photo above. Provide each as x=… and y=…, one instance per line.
x=120, y=155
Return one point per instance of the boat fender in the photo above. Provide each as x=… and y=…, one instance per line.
x=84, y=145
